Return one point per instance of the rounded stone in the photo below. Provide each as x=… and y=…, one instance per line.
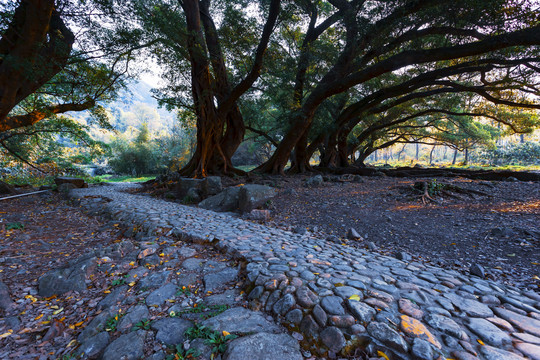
x=333, y=338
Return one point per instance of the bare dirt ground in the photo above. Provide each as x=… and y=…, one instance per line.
x=499, y=230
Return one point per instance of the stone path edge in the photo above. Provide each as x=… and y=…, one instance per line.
x=404, y=309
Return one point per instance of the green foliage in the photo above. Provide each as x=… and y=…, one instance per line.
x=144, y=324
x=516, y=154
x=216, y=339
x=184, y=291
x=112, y=322
x=179, y=353
x=15, y=226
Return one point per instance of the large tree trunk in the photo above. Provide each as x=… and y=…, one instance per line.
x=33, y=49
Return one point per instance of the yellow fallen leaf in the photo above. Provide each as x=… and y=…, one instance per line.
x=38, y=317
x=480, y=342
x=226, y=333
x=132, y=263
x=58, y=311
x=79, y=323
x=381, y=354
x=107, y=292
x=132, y=283
x=354, y=297
x=71, y=343
x=6, y=334
x=536, y=277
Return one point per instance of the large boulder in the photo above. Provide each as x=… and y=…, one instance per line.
x=211, y=185
x=78, y=182
x=60, y=281
x=253, y=196
x=6, y=303
x=227, y=200
x=184, y=185
x=5, y=188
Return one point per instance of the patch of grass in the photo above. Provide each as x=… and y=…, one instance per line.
x=179, y=353
x=246, y=168
x=216, y=339
x=112, y=322
x=15, y=226
x=200, y=308
x=122, y=178
x=144, y=324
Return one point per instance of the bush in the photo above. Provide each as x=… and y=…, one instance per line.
x=516, y=154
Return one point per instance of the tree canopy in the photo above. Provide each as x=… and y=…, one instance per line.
x=341, y=77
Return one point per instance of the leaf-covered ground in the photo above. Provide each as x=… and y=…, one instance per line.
x=499, y=230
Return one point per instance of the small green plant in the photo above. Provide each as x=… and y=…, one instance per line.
x=121, y=281
x=216, y=339
x=67, y=357
x=15, y=226
x=183, y=291
x=188, y=200
x=144, y=324
x=200, y=308
x=112, y=322
x=179, y=353
x=434, y=187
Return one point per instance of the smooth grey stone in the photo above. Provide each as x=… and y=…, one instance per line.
x=471, y=307
x=387, y=336
x=263, y=346
x=159, y=296
x=170, y=331
x=332, y=305
x=283, y=305
x=422, y=349
x=226, y=298
x=361, y=311
x=94, y=346
x=154, y=280
x=320, y=315
x=357, y=284
x=126, y=347
x=217, y=280
x=333, y=338
x=491, y=353
x=488, y=332
x=346, y=292
x=97, y=324
x=115, y=297
x=256, y=292
x=305, y=297
x=309, y=326
x=193, y=264
x=294, y=316
x=239, y=320
x=133, y=316
x=5, y=300
x=445, y=325
x=60, y=281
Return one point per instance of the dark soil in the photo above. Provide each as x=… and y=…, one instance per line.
x=499, y=230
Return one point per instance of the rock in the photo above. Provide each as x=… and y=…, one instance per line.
x=5, y=300
x=252, y=196
x=5, y=188
x=134, y=315
x=126, y=347
x=387, y=336
x=193, y=264
x=527, y=324
x=309, y=327
x=226, y=298
x=502, y=232
x=488, y=332
x=471, y=307
x=333, y=338
x=282, y=306
x=353, y=234
x=414, y=328
x=60, y=281
x=159, y=296
x=299, y=230
x=97, y=324
x=361, y=311
x=314, y=181
x=332, y=305
x=114, y=298
x=294, y=316
x=93, y=347
x=193, y=196
x=346, y=292
x=408, y=308
x=491, y=353
x=227, y=200
x=320, y=315
x=258, y=215
x=239, y=320
x=211, y=185
x=183, y=186
x=445, y=325
x=421, y=349
x=371, y=246
x=264, y=346
x=153, y=281
x=477, y=270
x=403, y=256
x=530, y=350
x=77, y=182
x=170, y=331
x=305, y=297
x=216, y=280
x=65, y=188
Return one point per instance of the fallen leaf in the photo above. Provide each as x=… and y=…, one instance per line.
x=354, y=297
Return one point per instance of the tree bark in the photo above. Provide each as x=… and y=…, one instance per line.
x=34, y=48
